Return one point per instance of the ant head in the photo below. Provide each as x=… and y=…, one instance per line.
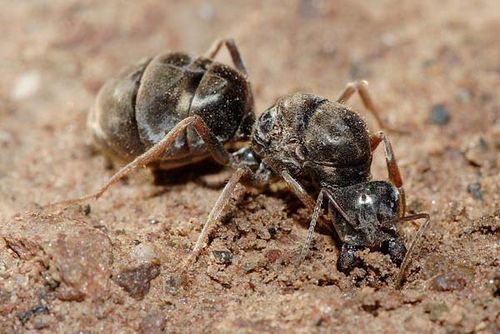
x=262, y=133
x=370, y=206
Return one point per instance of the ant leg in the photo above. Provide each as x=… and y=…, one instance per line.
x=314, y=219
x=406, y=261
x=233, y=51
x=217, y=150
x=361, y=87
x=298, y=190
x=215, y=214
x=338, y=207
x=312, y=225
x=392, y=166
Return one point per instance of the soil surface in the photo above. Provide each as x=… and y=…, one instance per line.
x=111, y=267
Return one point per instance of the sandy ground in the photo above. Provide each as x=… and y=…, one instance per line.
x=434, y=70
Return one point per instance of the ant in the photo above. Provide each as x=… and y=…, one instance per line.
x=175, y=109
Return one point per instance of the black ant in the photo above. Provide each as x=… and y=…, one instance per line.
x=176, y=109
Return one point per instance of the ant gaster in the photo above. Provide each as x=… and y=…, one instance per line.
x=175, y=109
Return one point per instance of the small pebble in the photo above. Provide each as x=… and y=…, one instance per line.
x=144, y=253
x=272, y=231
x=448, y=281
x=439, y=115
x=42, y=321
x=25, y=316
x=86, y=209
x=223, y=257
x=136, y=281
x=153, y=323
x=273, y=255
x=479, y=153
x=250, y=267
x=475, y=190
x=173, y=284
x=26, y=86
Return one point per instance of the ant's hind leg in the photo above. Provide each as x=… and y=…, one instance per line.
x=361, y=87
x=216, y=149
x=233, y=51
x=215, y=214
x=392, y=166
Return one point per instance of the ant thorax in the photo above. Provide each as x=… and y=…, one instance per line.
x=315, y=139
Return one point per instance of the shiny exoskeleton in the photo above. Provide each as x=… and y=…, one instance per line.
x=135, y=111
x=175, y=109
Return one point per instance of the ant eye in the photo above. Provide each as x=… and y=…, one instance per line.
x=266, y=121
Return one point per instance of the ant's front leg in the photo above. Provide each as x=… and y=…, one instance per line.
x=316, y=215
x=408, y=255
x=298, y=189
x=392, y=166
x=310, y=230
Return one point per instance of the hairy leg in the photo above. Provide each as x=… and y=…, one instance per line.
x=407, y=259
x=298, y=190
x=392, y=166
x=216, y=149
x=361, y=87
x=215, y=215
x=233, y=51
x=312, y=225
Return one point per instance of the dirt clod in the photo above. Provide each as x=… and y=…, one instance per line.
x=83, y=261
x=448, y=281
x=136, y=281
x=153, y=323
x=25, y=316
x=223, y=257
x=439, y=115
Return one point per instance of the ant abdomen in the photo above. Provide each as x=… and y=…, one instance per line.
x=147, y=100
x=112, y=119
